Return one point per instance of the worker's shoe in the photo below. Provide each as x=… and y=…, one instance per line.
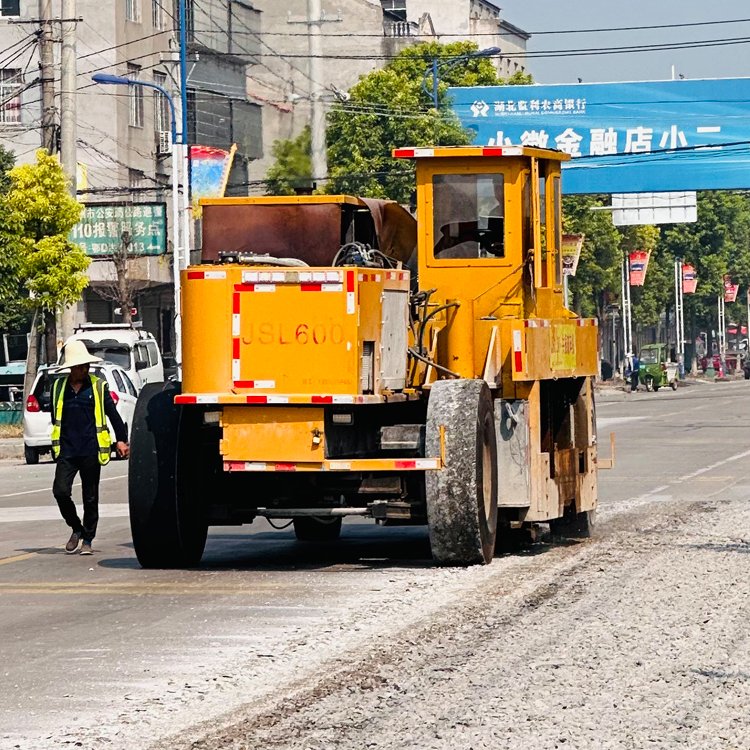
x=86, y=548
x=73, y=542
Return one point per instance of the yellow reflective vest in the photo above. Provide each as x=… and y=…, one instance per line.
x=103, y=438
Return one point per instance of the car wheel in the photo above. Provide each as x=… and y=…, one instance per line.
x=30, y=454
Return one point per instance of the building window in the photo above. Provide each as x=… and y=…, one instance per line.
x=133, y=10
x=162, y=114
x=136, y=98
x=158, y=14
x=10, y=7
x=135, y=179
x=10, y=95
x=395, y=8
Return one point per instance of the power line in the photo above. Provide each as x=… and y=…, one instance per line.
x=555, y=32
x=572, y=52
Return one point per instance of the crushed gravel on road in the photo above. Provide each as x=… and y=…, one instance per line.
x=636, y=639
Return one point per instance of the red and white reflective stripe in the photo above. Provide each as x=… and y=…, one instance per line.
x=351, y=299
x=517, y=351
x=199, y=398
x=369, y=277
x=410, y=153
x=504, y=151
x=207, y=275
x=587, y=322
x=264, y=384
x=418, y=463
x=536, y=323
x=262, y=398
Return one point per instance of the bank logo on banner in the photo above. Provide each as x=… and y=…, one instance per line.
x=638, y=267
x=689, y=279
x=730, y=289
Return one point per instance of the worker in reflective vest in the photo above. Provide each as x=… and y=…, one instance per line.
x=81, y=442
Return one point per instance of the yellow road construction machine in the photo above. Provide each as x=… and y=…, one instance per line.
x=341, y=358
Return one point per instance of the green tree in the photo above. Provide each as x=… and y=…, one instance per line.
x=40, y=214
x=293, y=165
x=597, y=280
x=655, y=296
x=388, y=108
x=717, y=244
x=12, y=308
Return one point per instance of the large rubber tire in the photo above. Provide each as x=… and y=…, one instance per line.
x=574, y=525
x=462, y=496
x=311, y=529
x=673, y=385
x=649, y=383
x=161, y=539
x=31, y=455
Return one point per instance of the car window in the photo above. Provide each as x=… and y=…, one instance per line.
x=116, y=355
x=43, y=390
x=118, y=380
x=129, y=385
x=153, y=353
x=141, y=353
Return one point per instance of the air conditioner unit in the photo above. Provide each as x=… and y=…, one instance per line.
x=164, y=142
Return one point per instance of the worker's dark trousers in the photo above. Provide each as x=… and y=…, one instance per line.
x=62, y=488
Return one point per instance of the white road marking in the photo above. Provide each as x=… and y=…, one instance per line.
x=608, y=421
x=51, y=512
x=656, y=493
x=49, y=489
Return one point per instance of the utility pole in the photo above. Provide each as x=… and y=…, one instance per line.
x=47, y=75
x=68, y=135
x=68, y=94
x=318, y=118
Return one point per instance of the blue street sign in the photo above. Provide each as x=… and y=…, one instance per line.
x=624, y=137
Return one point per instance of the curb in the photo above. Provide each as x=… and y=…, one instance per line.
x=11, y=448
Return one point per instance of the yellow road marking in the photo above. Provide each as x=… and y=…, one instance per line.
x=135, y=589
x=16, y=558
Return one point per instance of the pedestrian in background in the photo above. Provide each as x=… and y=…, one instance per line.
x=81, y=442
x=634, y=368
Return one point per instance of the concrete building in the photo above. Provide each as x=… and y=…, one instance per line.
x=358, y=37
x=123, y=143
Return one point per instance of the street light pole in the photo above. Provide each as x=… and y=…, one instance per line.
x=177, y=162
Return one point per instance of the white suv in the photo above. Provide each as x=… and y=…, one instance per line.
x=133, y=349
x=37, y=413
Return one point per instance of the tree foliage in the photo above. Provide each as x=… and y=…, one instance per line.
x=292, y=166
x=12, y=310
x=717, y=244
x=386, y=109
x=41, y=212
x=597, y=280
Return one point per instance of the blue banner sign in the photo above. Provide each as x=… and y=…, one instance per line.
x=623, y=137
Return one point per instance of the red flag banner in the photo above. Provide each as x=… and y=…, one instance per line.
x=689, y=279
x=730, y=289
x=638, y=267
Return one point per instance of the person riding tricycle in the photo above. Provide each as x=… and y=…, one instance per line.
x=655, y=368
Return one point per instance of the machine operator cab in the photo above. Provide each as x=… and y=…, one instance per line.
x=489, y=208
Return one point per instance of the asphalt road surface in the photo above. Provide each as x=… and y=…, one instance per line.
x=636, y=638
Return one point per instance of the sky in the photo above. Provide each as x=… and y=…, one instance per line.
x=731, y=60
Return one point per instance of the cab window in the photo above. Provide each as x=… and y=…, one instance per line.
x=468, y=216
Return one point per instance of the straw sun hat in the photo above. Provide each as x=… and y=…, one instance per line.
x=76, y=353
